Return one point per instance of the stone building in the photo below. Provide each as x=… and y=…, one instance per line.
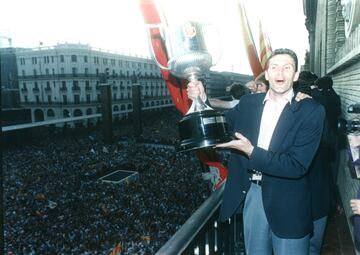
x=63, y=81
x=334, y=37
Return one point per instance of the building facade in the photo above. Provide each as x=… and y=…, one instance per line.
x=334, y=36
x=8, y=79
x=64, y=81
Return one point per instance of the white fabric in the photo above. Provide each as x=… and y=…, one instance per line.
x=270, y=117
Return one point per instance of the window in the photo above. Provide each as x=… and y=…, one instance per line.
x=23, y=72
x=73, y=58
x=66, y=113
x=34, y=60
x=105, y=61
x=47, y=71
x=85, y=59
x=50, y=113
x=88, y=98
x=77, y=99
x=34, y=72
x=62, y=70
x=37, y=99
x=22, y=61
x=53, y=71
x=86, y=71
x=65, y=100
x=52, y=59
x=49, y=99
x=114, y=98
x=74, y=71
x=36, y=85
x=25, y=99
x=62, y=59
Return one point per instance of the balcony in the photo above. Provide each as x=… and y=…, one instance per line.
x=203, y=230
x=63, y=89
x=36, y=90
x=48, y=89
x=75, y=88
x=24, y=90
x=88, y=88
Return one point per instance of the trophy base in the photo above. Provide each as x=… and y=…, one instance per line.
x=200, y=130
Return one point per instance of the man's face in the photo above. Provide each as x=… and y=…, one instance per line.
x=281, y=73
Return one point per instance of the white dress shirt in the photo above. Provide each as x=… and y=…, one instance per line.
x=270, y=117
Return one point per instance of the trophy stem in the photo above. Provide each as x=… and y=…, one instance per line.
x=197, y=104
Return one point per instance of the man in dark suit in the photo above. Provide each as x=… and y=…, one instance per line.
x=276, y=140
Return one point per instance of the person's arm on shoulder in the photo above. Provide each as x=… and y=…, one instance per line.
x=355, y=206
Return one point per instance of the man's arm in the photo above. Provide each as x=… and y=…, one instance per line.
x=222, y=104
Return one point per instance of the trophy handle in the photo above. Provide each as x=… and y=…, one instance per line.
x=216, y=61
x=153, y=55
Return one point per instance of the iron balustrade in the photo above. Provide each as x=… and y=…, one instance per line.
x=202, y=234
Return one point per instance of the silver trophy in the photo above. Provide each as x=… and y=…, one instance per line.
x=188, y=58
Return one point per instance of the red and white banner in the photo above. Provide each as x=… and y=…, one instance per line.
x=265, y=46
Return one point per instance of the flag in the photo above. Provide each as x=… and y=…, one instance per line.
x=265, y=46
x=251, y=51
x=116, y=250
x=40, y=196
x=146, y=238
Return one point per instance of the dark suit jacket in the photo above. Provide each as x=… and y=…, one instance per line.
x=322, y=184
x=285, y=183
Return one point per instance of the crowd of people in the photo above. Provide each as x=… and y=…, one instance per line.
x=55, y=203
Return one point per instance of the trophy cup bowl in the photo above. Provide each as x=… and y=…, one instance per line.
x=202, y=126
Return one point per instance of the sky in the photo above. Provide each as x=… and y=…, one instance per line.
x=117, y=25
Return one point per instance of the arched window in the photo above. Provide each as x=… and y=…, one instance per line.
x=39, y=115
x=129, y=106
x=77, y=112
x=50, y=113
x=88, y=111
x=123, y=107
x=66, y=113
x=116, y=108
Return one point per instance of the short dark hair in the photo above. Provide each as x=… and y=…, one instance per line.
x=261, y=79
x=237, y=90
x=283, y=51
x=324, y=82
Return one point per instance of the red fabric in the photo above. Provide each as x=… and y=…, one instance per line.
x=265, y=46
x=176, y=87
x=249, y=42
